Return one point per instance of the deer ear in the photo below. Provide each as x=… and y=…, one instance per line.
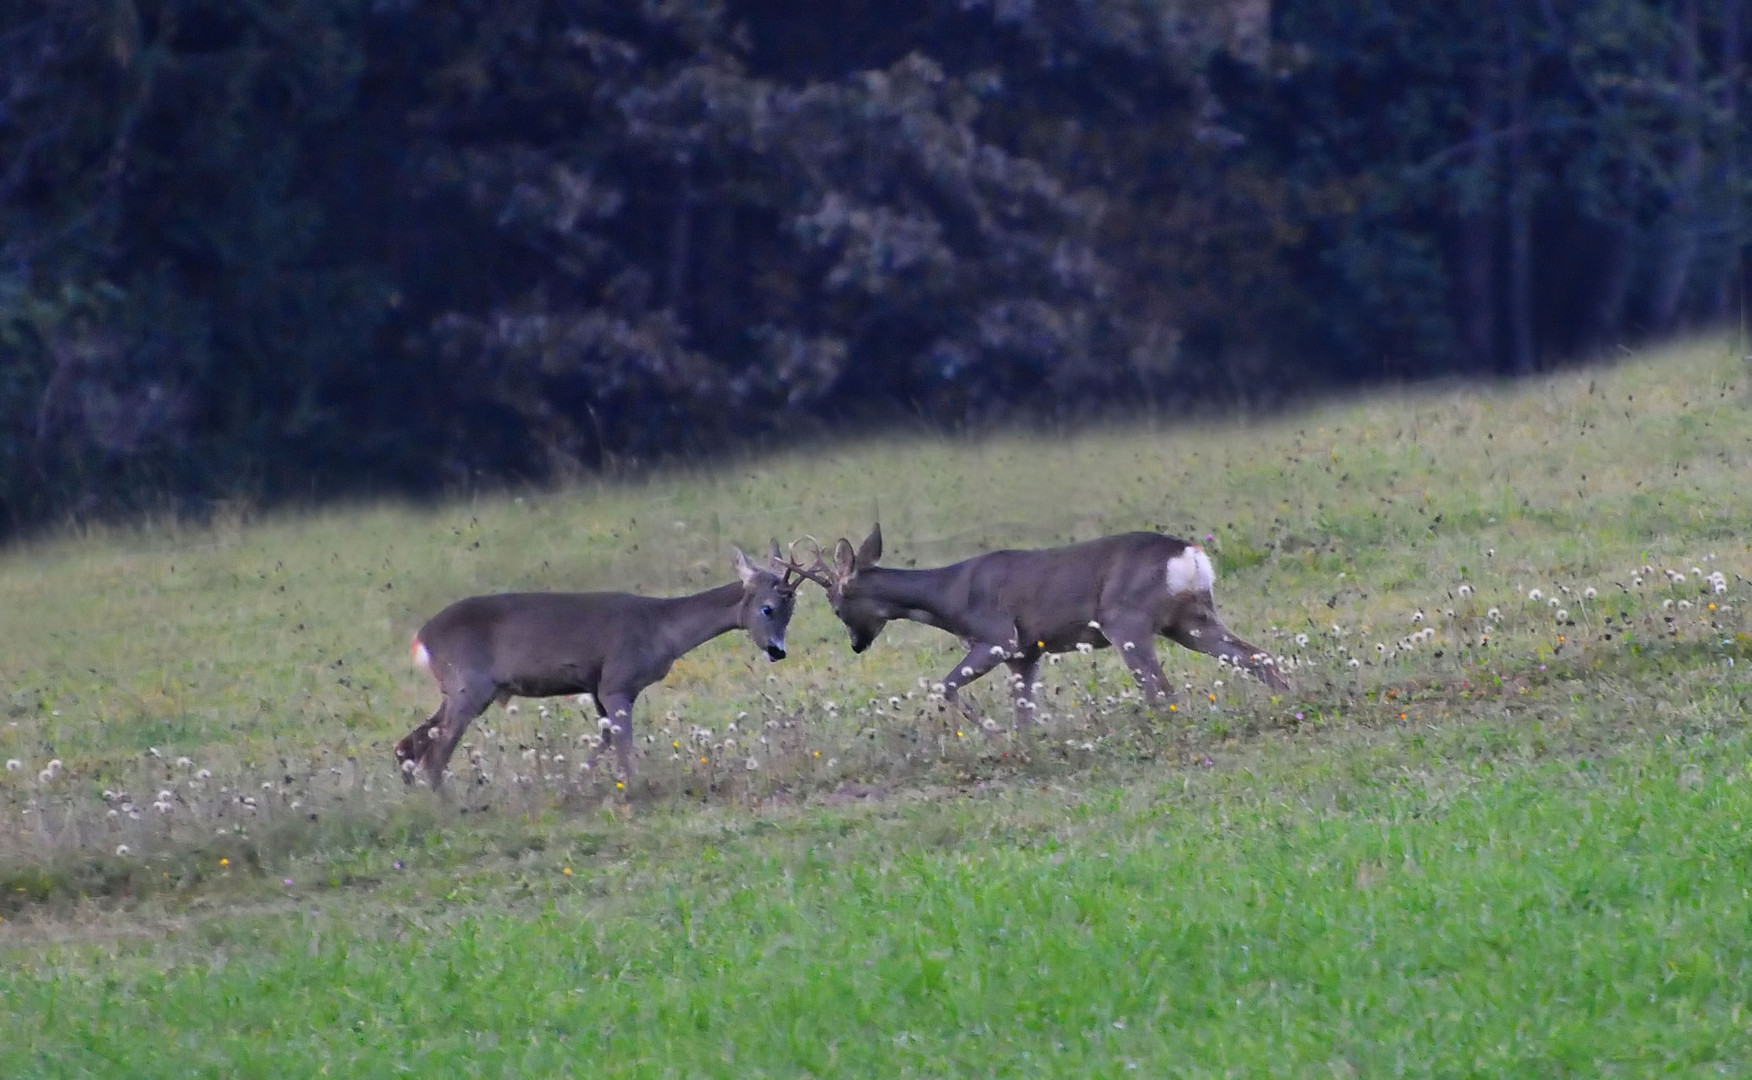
x=845, y=564
x=745, y=570
x=871, y=549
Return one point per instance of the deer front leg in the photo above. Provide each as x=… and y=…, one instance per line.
x=617, y=709
x=979, y=660
x=1024, y=674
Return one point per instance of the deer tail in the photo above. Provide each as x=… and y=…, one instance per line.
x=1191, y=572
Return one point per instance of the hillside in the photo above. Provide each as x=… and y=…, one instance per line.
x=1496, y=826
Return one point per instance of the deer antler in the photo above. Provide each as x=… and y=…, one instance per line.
x=820, y=573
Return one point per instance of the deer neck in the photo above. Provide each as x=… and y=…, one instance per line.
x=691, y=621
x=924, y=596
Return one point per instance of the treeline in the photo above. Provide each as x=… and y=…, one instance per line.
x=296, y=248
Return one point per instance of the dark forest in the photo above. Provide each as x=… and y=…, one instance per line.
x=303, y=249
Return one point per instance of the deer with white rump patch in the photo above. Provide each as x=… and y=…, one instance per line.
x=1013, y=607
x=610, y=645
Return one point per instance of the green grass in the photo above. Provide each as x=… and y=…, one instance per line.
x=1513, y=845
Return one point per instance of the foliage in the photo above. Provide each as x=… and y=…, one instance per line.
x=305, y=247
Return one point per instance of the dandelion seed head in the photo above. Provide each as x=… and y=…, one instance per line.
x=1465, y=590
x=1535, y=594
x=122, y=849
x=1562, y=615
x=13, y=764
x=1590, y=593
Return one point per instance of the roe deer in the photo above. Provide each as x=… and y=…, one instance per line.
x=610, y=645
x=1012, y=607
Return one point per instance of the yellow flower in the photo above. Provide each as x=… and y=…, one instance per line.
x=702, y=761
x=1040, y=644
x=566, y=870
x=224, y=862
x=958, y=735
x=1213, y=697
x=676, y=744
x=818, y=753
x=1173, y=708
x=620, y=783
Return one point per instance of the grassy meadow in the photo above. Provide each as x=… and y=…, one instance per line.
x=1501, y=826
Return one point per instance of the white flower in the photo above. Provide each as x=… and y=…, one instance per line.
x=1637, y=581
x=1465, y=590
x=161, y=806
x=1552, y=601
x=1684, y=605
x=1562, y=615
x=207, y=774
x=46, y=775
x=1589, y=593
x=13, y=764
x=751, y=764
x=1721, y=587
x=1417, y=616
x=166, y=795
x=121, y=849
x=1354, y=662
x=1535, y=594
x=1301, y=639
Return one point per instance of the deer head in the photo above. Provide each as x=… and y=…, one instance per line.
x=769, y=596
x=863, y=616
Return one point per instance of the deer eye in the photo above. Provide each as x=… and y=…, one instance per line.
x=767, y=610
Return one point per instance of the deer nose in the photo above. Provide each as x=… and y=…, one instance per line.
x=775, y=651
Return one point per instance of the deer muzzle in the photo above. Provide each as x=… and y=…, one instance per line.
x=776, y=651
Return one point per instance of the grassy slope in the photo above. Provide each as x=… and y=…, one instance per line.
x=1516, y=847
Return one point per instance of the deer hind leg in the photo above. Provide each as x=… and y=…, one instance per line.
x=1220, y=642
x=1024, y=676
x=617, y=709
x=411, y=750
x=444, y=730
x=1136, y=642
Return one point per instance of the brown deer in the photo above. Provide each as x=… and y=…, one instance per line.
x=1013, y=607
x=610, y=645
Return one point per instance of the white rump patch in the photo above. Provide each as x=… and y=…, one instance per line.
x=422, y=658
x=1191, y=572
